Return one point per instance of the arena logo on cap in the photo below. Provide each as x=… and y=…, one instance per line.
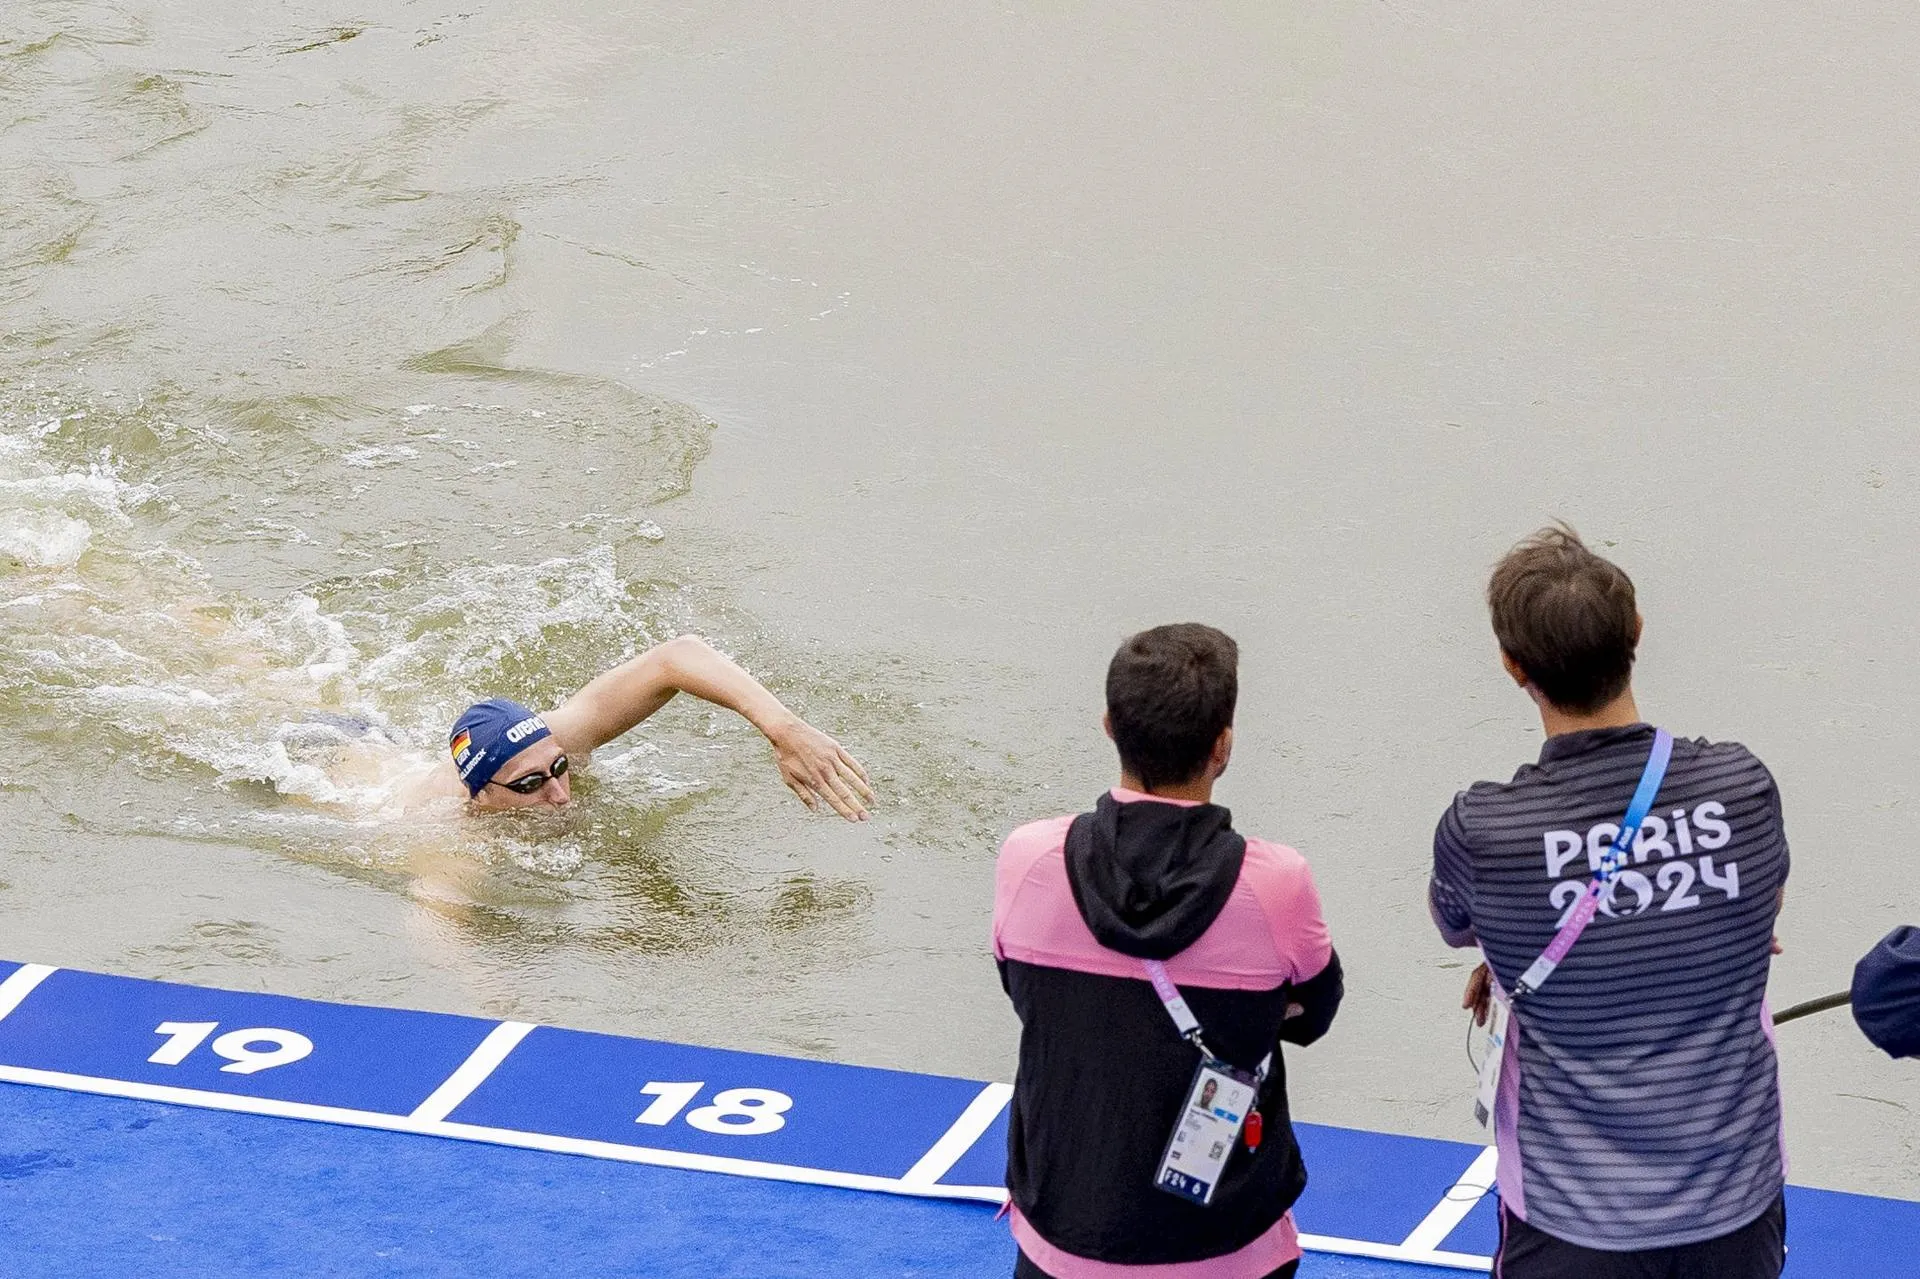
x=519, y=732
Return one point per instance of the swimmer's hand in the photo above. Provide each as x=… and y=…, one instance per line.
x=819, y=770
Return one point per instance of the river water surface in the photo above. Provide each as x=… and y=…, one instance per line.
x=370, y=360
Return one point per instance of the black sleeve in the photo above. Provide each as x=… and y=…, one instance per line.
x=1319, y=999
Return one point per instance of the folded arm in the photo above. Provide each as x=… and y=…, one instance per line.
x=1300, y=932
x=812, y=764
x=1312, y=1003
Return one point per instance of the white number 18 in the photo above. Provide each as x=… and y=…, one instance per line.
x=735, y=1112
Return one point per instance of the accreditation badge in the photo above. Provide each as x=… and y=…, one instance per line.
x=1496, y=1058
x=1209, y=1126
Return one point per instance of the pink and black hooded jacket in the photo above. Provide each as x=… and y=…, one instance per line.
x=1078, y=903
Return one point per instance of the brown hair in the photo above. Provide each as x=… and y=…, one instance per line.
x=1567, y=618
x=1170, y=694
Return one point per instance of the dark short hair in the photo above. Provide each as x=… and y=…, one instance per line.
x=1567, y=618
x=1170, y=694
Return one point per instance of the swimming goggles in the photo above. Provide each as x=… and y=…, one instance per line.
x=531, y=782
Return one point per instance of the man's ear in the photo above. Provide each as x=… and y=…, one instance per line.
x=1106, y=722
x=1639, y=625
x=1513, y=668
x=1222, y=751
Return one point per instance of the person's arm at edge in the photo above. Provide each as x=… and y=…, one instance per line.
x=1786, y=859
x=1318, y=983
x=1013, y=869
x=1003, y=893
x=1450, y=891
x=1450, y=898
x=1886, y=993
x=814, y=766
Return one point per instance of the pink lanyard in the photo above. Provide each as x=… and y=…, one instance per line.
x=1183, y=1019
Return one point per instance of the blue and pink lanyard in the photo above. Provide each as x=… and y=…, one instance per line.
x=1611, y=864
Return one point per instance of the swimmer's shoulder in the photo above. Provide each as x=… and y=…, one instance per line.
x=439, y=782
x=564, y=722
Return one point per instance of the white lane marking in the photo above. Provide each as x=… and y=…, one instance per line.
x=1456, y=1204
x=711, y=1163
x=958, y=1140
x=1394, y=1252
x=625, y=1154
x=473, y=1072
x=470, y=1132
x=20, y=983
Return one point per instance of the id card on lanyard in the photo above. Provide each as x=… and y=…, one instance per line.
x=1489, y=1090
x=1209, y=1126
x=1221, y=1103
x=1611, y=864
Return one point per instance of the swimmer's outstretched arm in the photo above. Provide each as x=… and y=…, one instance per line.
x=813, y=765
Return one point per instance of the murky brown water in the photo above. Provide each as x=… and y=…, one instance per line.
x=916, y=358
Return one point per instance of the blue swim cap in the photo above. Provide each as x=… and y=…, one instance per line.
x=490, y=733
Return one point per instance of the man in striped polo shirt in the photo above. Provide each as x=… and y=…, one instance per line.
x=1638, y=1109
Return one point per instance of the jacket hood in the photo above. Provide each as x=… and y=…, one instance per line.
x=1150, y=878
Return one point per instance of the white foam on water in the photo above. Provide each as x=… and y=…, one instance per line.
x=370, y=456
x=43, y=539
x=47, y=513
x=28, y=480
x=98, y=487
x=641, y=765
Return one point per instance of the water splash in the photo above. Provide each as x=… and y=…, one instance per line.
x=332, y=698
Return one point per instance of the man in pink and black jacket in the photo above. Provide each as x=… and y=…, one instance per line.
x=1156, y=873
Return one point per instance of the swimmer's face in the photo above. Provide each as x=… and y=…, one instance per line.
x=535, y=761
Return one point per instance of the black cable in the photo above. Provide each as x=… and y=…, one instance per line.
x=1839, y=999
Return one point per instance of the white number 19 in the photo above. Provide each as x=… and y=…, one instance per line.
x=236, y=1046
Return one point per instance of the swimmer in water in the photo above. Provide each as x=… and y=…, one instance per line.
x=504, y=755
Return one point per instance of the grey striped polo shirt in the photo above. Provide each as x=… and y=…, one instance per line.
x=1641, y=1103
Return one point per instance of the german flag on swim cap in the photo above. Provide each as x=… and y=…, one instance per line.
x=490, y=733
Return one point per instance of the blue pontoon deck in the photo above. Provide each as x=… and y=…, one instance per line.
x=150, y=1144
